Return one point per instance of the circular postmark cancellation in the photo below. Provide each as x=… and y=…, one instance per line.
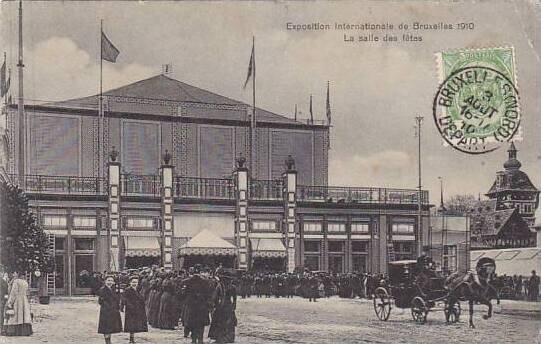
x=476, y=109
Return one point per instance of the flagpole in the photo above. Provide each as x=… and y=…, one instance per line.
x=253, y=122
x=100, y=110
x=20, y=106
x=6, y=91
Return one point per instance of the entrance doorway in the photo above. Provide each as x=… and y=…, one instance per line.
x=269, y=264
x=207, y=261
x=83, y=269
x=142, y=262
x=336, y=264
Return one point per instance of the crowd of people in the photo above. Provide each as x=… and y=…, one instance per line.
x=310, y=285
x=193, y=298
x=520, y=287
x=200, y=296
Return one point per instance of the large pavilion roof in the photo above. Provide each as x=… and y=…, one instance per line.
x=163, y=88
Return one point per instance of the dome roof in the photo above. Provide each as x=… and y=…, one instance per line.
x=512, y=163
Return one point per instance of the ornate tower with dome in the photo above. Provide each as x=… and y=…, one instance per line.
x=513, y=189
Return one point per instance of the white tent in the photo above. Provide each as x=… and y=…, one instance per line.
x=207, y=243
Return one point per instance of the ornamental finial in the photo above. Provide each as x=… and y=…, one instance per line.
x=241, y=160
x=113, y=154
x=290, y=163
x=166, y=157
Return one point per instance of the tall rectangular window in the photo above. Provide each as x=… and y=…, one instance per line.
x=334, y=227
x=264, y=226
x=359, y=246
x=55, y=221
x=360, y=227
x=141, y=223
x=406, y=228
x=84, y=222
x=312, y=227
x=311, y=246
x=336, y=246
x=140, y=147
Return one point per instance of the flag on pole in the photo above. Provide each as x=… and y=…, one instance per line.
x=311, y=113
x=251, y=67
x=3, y=89
x=328, y=106
x=108, y=51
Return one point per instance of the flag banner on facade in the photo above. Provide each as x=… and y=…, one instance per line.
x=251, y=68
x=108, y=51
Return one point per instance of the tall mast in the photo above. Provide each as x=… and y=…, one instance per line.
x=20, y=106
x=100, y=109
x=419, y=121
x=253, y=123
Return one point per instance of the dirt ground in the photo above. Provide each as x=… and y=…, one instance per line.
x=333, y=320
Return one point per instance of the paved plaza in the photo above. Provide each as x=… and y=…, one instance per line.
x=333, y=320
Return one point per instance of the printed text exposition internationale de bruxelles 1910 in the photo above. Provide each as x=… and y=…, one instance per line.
x=317, y=26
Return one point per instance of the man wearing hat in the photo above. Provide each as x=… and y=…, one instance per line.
x=198, y=297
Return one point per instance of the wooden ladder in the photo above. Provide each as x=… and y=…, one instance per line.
x=51, y=277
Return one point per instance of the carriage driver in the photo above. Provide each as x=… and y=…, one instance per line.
x=425, y=263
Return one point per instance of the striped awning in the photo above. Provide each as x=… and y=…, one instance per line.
x=142, y=247
x=268, y=248
x=207, y=251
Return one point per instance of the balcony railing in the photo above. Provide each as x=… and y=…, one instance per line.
x=266, y=189
x=360, y=195
x=61, y=184
x=137, y=185
x=216, y=188
x=204, y=188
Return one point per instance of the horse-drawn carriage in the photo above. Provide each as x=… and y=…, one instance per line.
x=415, y=286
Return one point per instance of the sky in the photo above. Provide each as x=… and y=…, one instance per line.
x=377, y=88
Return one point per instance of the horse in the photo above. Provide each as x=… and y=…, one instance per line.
x=473, y=287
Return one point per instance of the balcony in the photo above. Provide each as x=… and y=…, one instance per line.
x=266, y=189
x=69, y=185
x=309, y=193
x=140, y=185
x=204, y=188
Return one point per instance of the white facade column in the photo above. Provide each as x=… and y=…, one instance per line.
x=241, y=213
x=113, y=218
x=167, y=173
x=290, y=205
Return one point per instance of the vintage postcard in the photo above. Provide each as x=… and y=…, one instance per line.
x=270, y=171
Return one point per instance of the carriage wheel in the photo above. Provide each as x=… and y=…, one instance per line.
x=419, y=310
x=453, y=312
x=382, y=304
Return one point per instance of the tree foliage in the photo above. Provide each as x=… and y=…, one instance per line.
x=23, y=242
x=460, y=204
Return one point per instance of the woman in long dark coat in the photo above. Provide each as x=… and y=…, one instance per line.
x=154, y=300
x=168, y=313
x=133, y=304
x=224, y=320
x=109, y=321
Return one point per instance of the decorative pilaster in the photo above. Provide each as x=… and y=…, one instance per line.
x=113, y=172
x=290, y=205
x=241, y=214
x=167, y=209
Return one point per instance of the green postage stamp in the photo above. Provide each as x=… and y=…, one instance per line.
x=476, y=107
